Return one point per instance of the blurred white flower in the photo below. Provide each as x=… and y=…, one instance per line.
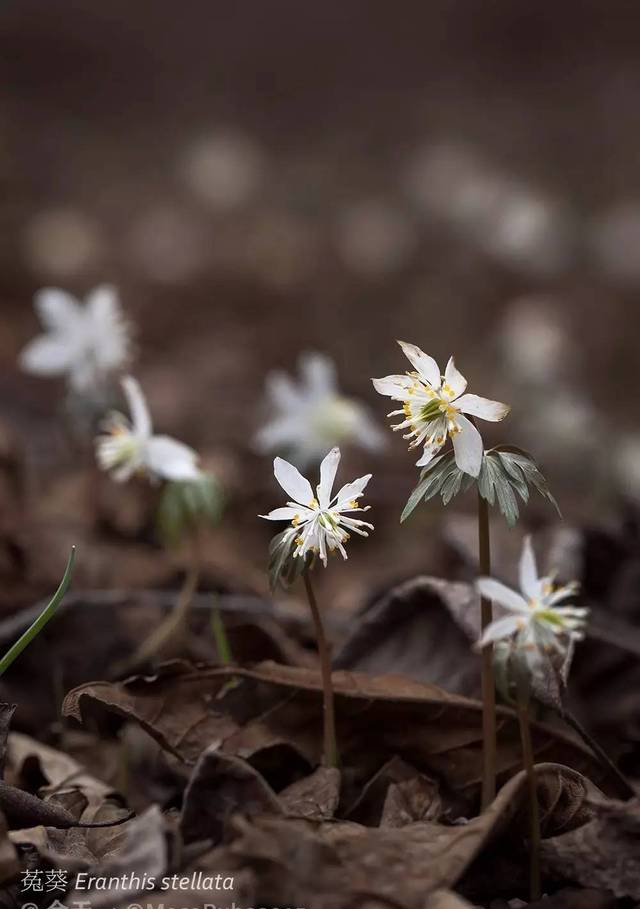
x=434, y=408
x=532, y=340
x=320, y=522
x=129, y=447
x=502, y=215
x=224, y=169
x=538, y=626
x=310, y=416
x=86, y=342
x=374, y=238
x=527, y=230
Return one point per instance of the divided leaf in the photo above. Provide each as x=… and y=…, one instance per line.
x=506, y=474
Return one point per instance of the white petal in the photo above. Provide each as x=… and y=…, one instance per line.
x=283, y=392
x=47, y=355
x=124, y=472
x=426, y=365
x=108, y=331
x=429, y=453
x=319, y=374
x=292, y=481
x=328, y=469
x=281, y=514
x=529, y=583
x=57, y=310
x=393, y=386
x=501, y=628
x=562, y=593
x=103, y=304
x=351, y=491
x=283, y=432
x=454, y=379
x=483, y=408
x=500, y=593
x=367, y=433
x=168, y=458
x=140, y=416
x=468, y=447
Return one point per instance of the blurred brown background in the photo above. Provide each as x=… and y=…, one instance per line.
x=260, y=179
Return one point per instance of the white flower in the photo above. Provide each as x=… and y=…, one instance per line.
x=129, y=447
x=434, y=406
x=312, y=416
x=85, y=342
x=537, y=624
x=320, y=522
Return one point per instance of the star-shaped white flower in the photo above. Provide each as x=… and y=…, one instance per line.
x=320, y=522
x=434, y=408
x=312, y=416
x=537, y=624
x=129, y=447
x=85, y=342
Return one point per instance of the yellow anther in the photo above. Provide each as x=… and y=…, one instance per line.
x=314, y=503
x=295, y=520
x=353, y=503
x=299, y=541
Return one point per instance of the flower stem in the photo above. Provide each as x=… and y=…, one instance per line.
x=488, y=681
x=330, y=747
x=534, y=811
x=170, y=633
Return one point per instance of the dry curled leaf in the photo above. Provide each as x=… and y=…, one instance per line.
x=337, y=863
x=418, y=629
x=314, y=797
x=396, y=795
x=220, y=786
x=604, y=854
x=189, y=709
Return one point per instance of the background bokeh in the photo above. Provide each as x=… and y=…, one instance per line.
x=264, y=179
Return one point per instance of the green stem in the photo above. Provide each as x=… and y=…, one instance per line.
x=47, y=613
x=488, y=681
x=223, y=646
x=534, y=811
x=330, y=749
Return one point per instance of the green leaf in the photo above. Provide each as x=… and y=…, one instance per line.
x=506, y=475
x=47, y=613
x=186, y=505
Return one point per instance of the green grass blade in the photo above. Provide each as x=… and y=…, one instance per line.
x=220, y=635
x=47, y=613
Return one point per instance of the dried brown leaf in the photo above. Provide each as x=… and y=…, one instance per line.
x=314, y=797
x=220, y=786
x=188, y=709
x=337, y=863
x=604, y=853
